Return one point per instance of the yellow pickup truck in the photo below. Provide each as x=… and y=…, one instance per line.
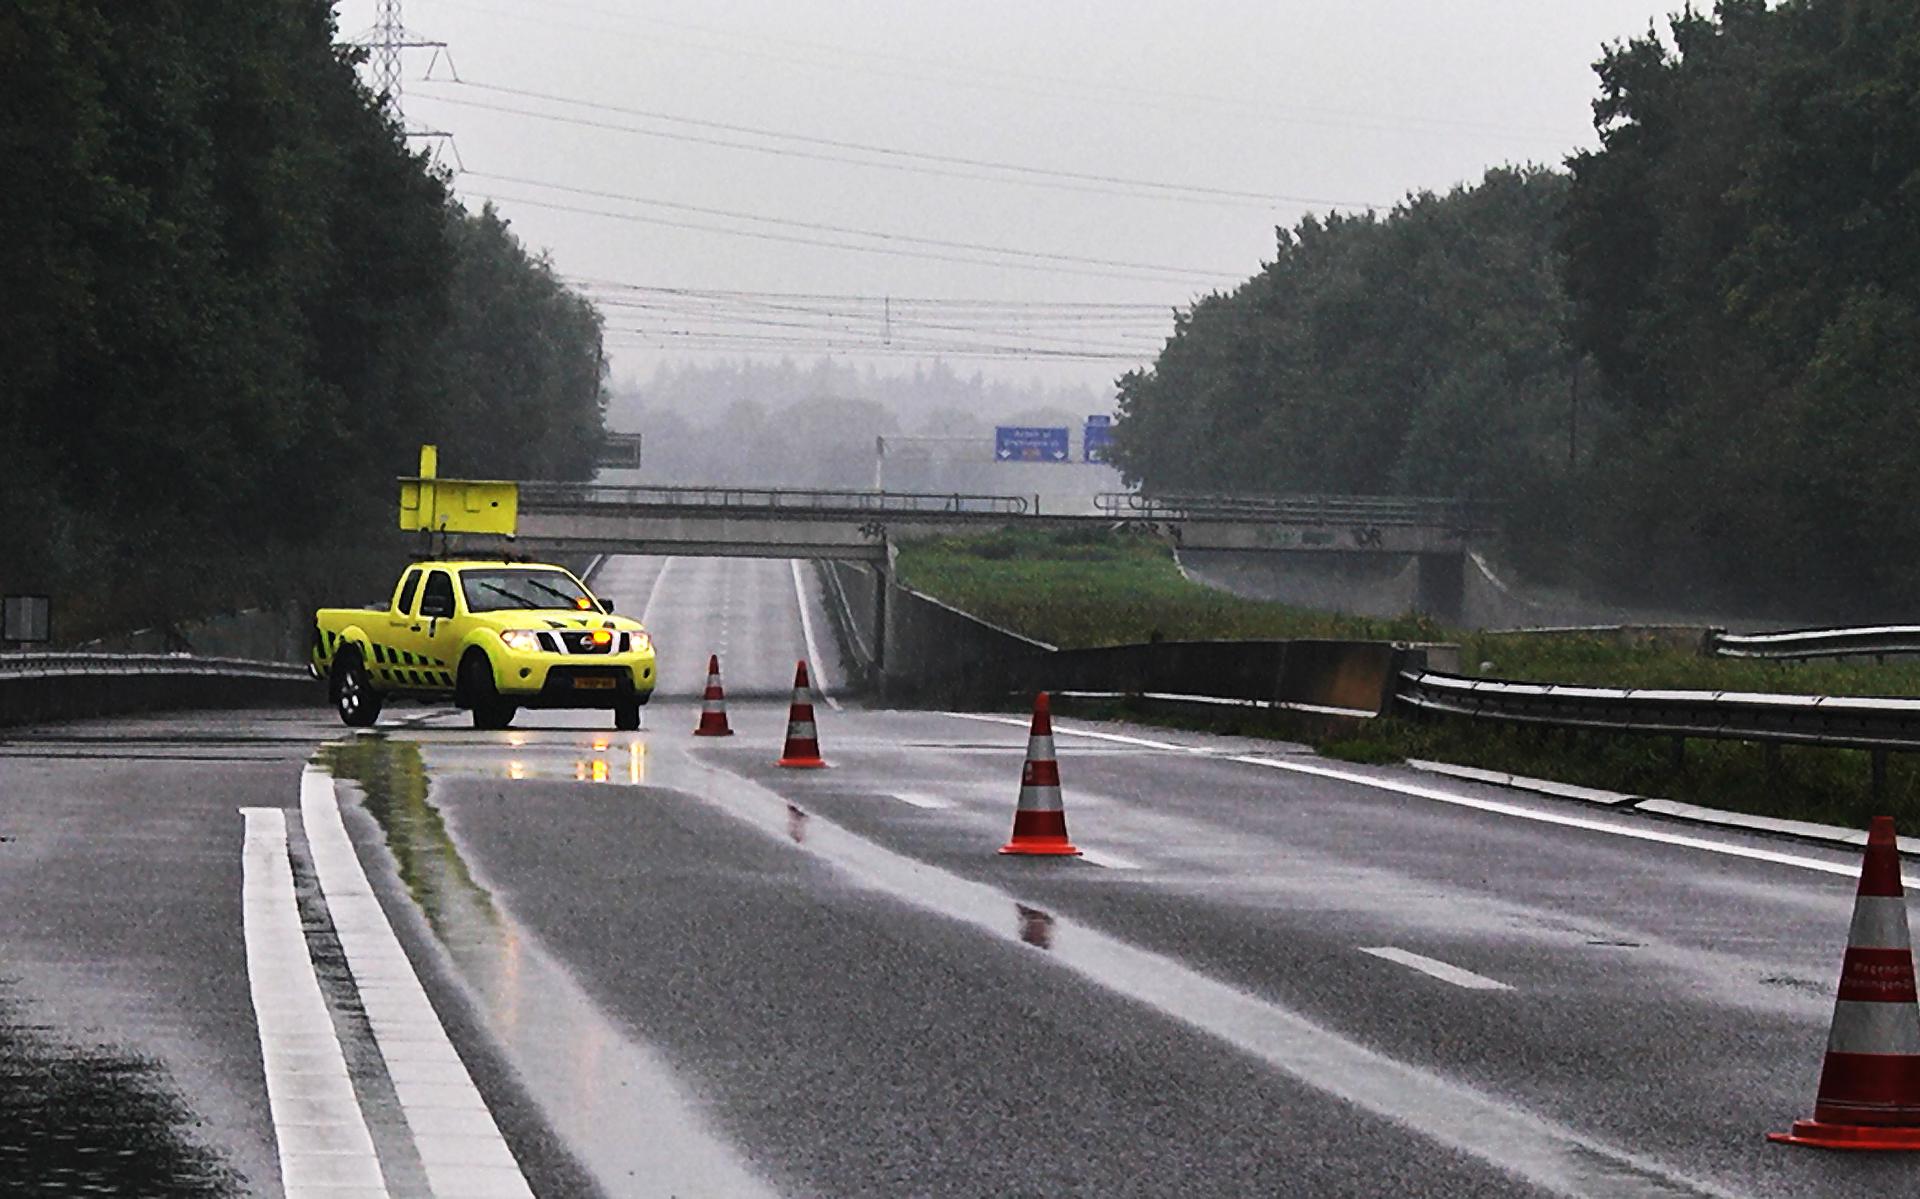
x=491, y=636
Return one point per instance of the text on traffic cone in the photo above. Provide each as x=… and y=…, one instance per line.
x=1869, y=1096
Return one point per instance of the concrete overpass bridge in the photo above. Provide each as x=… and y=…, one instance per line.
x=588, y=518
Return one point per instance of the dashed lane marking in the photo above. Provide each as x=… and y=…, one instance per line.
x=1112, y=861
x=806, y=631
x=324, y=1146
x=1436, y=968
x=919, y=800
x=1554, y=1157
x=460, y=1144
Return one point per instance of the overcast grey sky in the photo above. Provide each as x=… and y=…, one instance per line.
x=1162, y=143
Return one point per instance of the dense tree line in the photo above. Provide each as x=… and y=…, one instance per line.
x=1744, y=261
x=1420, y=352
x=236, y=303
x=1737, y=268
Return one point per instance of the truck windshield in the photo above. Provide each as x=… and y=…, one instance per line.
x=495, y=590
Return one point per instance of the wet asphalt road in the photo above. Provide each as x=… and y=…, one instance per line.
x=675, y=969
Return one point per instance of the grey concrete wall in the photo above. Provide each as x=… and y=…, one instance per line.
x=935, y=653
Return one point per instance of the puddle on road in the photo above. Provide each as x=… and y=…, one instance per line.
x=615, y=1102
x=95, y=1121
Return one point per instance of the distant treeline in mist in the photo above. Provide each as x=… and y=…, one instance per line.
x=236, y=302
x=791, y=425
x=1691, y=362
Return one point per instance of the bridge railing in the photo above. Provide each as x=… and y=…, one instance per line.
x=574, y=496
x=1303, y=509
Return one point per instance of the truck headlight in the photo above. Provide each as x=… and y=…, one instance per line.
x=639, y=641
x=525, y=640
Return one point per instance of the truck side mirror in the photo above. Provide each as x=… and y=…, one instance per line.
x=606, y=605
x=436, y=608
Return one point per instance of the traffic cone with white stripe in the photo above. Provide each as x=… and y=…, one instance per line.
x=713, y=707
x=1869, y=1095
x=1040, y=822
x=803, y=740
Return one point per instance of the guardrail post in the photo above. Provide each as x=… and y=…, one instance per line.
x=1879, y=757
x=1679, y=754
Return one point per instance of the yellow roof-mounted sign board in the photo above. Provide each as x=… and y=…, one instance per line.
x=457, y=505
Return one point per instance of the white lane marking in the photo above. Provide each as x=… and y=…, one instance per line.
x=1443, y=971
x=322, y=1137
x=1112, y=861
x=1840, y=869
x=460, y=1144
x=806, y=631
x=1554, y=1156
x=1584, y=823
x=653, y=592
x=1117, y=738
x=920, y=800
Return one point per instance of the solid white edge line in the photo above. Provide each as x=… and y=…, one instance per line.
x=1444, y=971
x=806, y=631
x=1417, y=791
x=319, y=1131
x=460, y=1144
x=653, y=592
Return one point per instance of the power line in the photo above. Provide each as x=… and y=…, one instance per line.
x=841, y=159
x=976, y=77
x=1168, y=190
x=821, y=227
x=893, y=251
x=974, y=302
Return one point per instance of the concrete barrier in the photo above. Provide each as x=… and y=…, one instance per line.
x=935, y=653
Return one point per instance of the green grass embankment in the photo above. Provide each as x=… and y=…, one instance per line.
x=1076, y=590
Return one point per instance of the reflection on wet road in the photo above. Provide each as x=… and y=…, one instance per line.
x=93, y=1120
x=619, y=1109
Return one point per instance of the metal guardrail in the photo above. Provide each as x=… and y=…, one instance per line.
x=1794, y=644
x=760, y=501
x=1304, y=509
x=66, y=665
x=1841, y=721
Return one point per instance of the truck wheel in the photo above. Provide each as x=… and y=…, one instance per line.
x=626, y=717
x=353, y=694
x=478, y=693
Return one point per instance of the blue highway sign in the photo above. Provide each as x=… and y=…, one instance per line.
x=1026, y=443
x=1096, y=438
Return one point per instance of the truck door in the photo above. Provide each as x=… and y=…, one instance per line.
x=438, y=637
x=401, y=635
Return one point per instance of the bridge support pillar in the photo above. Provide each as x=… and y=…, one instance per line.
x=1440, y=586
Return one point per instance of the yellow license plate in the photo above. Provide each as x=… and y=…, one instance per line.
x=594, y=684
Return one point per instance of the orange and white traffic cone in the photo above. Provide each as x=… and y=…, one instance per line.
x=713, y=708
x=1869, y=1095
x=803, y=740
x=1040, y=822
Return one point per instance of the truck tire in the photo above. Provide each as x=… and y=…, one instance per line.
x=351, y=687
x=626, y=717
x=478, y=693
